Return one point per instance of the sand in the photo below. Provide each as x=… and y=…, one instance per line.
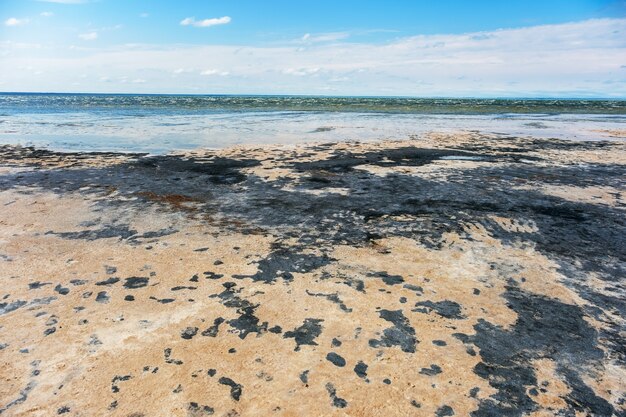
x=452, y=274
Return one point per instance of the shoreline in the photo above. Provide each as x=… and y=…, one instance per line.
x=451, y=273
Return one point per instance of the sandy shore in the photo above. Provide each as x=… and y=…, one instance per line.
x=450, y=275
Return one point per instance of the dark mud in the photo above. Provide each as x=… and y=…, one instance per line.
x=545, y=328
x=401, y=334
x=381, y=198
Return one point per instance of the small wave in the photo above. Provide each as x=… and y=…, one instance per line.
x=323, y=129
x=537, y=125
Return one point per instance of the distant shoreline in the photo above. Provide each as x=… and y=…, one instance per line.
x=461, y=97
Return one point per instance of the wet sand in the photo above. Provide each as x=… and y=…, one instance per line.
x=454, y=274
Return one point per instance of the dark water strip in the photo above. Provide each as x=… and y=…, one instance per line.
x=12, y=103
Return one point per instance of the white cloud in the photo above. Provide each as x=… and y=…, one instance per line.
x=301, y=71
x=91, y=36
x=214, y=72
x=324, y=37
x=581, y=58
x=139, y=81
x=206, y=22
x=14, y=21
x=46, y=14
x=143, y=15
x=182, y=71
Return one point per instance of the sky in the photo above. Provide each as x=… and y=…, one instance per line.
x=458, y=48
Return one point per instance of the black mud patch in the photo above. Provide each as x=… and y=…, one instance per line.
x=545, y=329
x=333, y=298
x=387, y=279
x=213, y=330
x=305, y=334
x=247, y=322
x=335, y=400
x=401, y=334
x=217, y=169
x=109, y=231
x=407, y=156
x=283, y=262
x=447, y=309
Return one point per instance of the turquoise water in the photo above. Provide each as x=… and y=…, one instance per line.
x=159, y=123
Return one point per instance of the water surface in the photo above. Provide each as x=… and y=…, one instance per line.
x=159, y=123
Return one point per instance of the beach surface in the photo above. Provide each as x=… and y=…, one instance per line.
x=453, y=274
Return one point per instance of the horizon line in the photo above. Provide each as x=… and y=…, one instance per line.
x=606, y=98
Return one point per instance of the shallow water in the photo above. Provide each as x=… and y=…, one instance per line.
x=161, y=123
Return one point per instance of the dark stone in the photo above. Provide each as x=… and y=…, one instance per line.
x=189, y=332
x=336, y=359
x=8, y=307
x=433, y=370
x=444, y=411
x=275, y=329
x=196, y=410
x=361, y=369
x=235, y=389
x=61, y=290
x=118, y=378
x=136, y=282
x=109, y=281
x=37, y=284
x=102, y=297
x=304, y=377
x=167, y=352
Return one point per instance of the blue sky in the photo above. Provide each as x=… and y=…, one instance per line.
x=443, y=48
